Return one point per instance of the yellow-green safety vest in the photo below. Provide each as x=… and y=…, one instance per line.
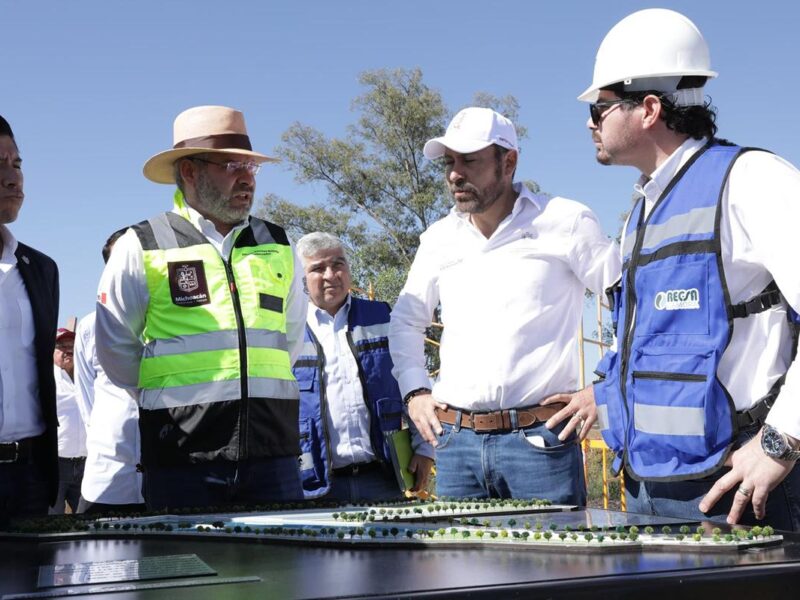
x=215, y=330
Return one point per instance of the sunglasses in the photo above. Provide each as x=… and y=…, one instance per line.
x=599, y=109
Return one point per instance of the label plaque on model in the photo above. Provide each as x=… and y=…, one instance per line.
x=118, y=588
x=111, y=571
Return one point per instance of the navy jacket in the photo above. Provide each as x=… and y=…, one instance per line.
x=40, y=275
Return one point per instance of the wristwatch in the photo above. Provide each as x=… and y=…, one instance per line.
x=775, y=445
x=407, y=398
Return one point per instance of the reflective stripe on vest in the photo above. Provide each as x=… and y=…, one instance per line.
x=362, y=333
x=202, y=312
x=216, y=340
x=669, y=420
x=602, y=417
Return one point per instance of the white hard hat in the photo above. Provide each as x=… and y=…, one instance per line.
x=652, y=50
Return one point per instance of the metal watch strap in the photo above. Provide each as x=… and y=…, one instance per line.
x=790, y=454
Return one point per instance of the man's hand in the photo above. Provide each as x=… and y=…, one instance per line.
x=422, y=410
x=421, y=467
x=755, y=473
x=580, y=409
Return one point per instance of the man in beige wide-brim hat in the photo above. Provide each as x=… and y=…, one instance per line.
x=200, y=130
x=200, y=314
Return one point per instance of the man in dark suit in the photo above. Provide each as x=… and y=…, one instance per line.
x=28, y=321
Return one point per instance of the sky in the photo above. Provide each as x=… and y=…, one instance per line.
x=91, y=89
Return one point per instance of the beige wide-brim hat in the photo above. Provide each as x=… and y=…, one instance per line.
x=203, y=129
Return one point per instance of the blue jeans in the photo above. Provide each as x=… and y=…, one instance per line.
x=680, y=499
x=223, y=482
x=525, y=463
x=374, y=485
x=70, y=475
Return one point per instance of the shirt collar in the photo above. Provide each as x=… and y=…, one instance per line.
x=208, y=227
x=8, y=247
x=321, y=315
x=525, y=197
x=652, y=187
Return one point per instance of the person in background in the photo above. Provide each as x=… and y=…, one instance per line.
x=71, y=425
x=112, y=483
x=349, y=400
x=28, y=323
x=700, y=397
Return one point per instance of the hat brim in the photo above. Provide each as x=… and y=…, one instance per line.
x=435, y=148
x=159, y=167
x=593, y=91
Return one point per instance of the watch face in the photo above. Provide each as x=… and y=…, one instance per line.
x=772, y=441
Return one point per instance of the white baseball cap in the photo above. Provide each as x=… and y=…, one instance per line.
x=473, y=129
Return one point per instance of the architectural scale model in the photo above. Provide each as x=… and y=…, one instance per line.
x=524, y=524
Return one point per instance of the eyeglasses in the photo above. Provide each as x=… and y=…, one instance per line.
x=233, y=166
x=598, y=110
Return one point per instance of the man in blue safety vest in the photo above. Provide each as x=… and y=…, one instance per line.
x=699, y=398
x=349, y=401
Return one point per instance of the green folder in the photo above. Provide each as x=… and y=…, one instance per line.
x=401, y=451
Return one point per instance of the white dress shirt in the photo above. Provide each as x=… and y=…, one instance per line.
x=20, y=410
x=347, y=415
x=112, y=433
x=760, y=242
x=123, y=298
x=71, y=427
x=511, y=304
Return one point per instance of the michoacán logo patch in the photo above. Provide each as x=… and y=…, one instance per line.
x=678, y=300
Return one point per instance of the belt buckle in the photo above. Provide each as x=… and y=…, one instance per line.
x=354, y=469
x=487, y=419
x=471, y=418
x=16, y=453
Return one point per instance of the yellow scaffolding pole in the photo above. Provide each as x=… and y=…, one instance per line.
x=597, y=444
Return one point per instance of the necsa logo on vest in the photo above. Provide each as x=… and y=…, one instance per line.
x=678, y=300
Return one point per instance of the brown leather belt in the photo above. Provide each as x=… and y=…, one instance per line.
x=499, y=420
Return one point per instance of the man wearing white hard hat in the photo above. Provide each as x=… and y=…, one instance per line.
x=509, y=269
x=701, y=398
x=200, y=314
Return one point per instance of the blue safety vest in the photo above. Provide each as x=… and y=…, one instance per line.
x=368, y=325
x=661, y=407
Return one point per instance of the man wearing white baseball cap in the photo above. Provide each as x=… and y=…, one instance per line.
x=693, y=399
x=200, y=314
x=509, y=268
